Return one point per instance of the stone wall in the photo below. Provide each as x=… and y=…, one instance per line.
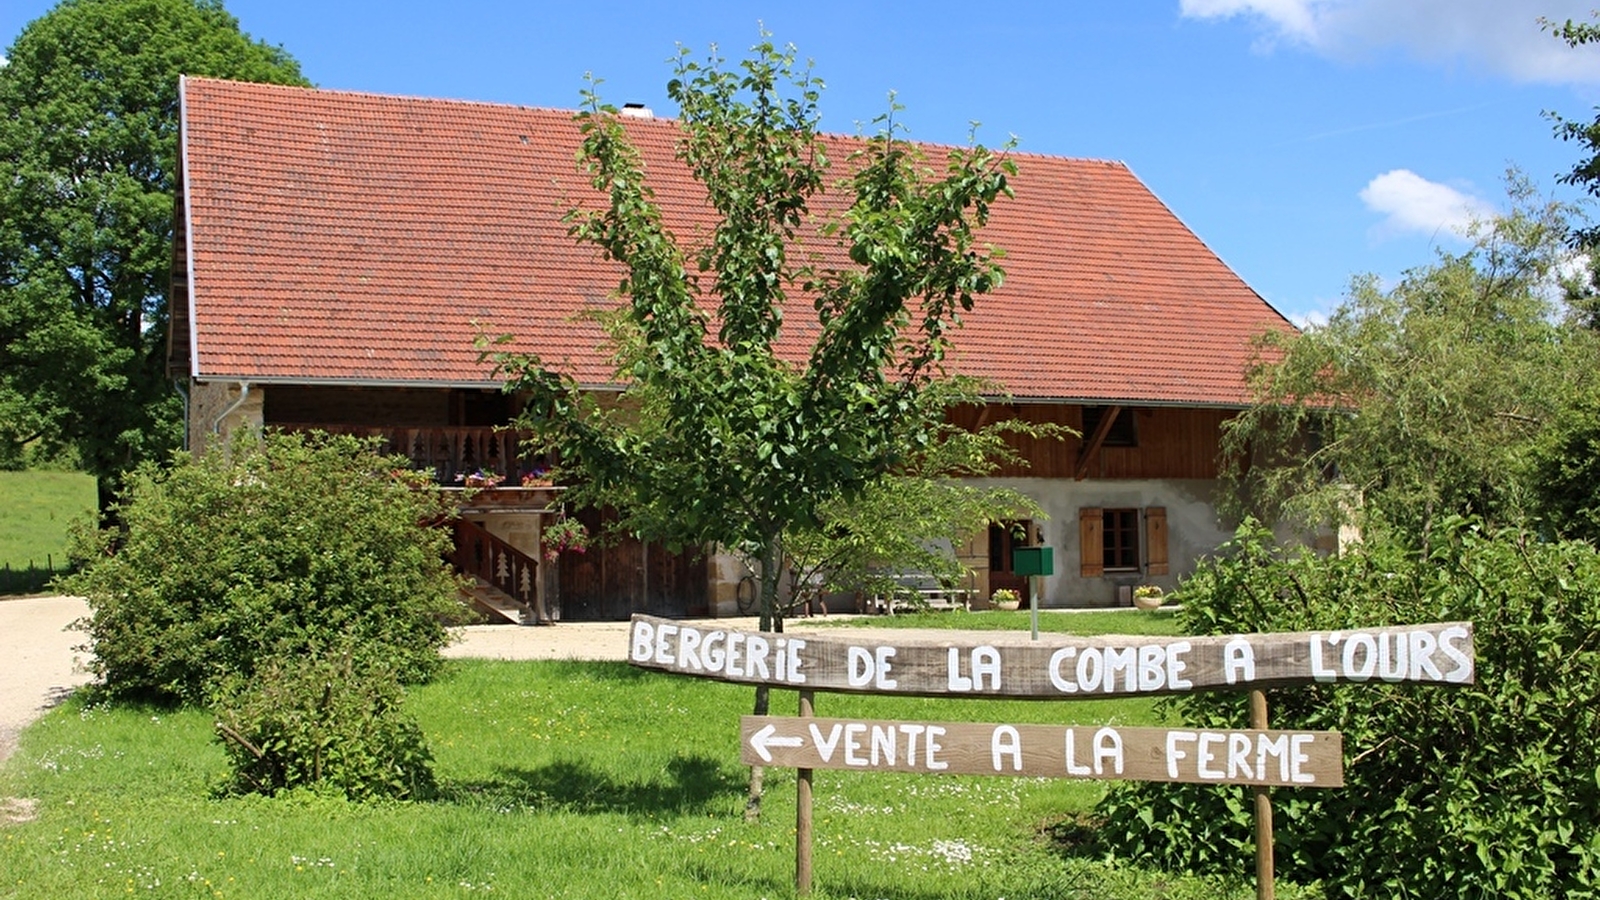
x=216, y=415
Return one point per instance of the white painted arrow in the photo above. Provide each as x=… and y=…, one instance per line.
x=766, y=737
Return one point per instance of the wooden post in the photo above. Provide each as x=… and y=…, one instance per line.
x=802, y=814
x=1263, y=803
x=1033, y=604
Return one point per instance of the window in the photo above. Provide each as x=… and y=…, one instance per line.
x=1120, y=539
x=1111, y=540
x=1122, y=433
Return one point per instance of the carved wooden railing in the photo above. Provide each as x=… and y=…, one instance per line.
x=504, y=567
x=451, y=453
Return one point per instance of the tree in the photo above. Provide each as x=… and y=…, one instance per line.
x=1422, y=400
x=726, y=438
x=88, y=144
x=1583, y=294
x=1566, y=471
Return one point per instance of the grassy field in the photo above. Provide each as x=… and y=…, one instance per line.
x=1111, y=621
x=570, y=780
x=35, y=510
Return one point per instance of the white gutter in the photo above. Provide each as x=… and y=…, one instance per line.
x=188, y=222
x=244, y=394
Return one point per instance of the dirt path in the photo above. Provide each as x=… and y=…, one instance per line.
x=38, y=667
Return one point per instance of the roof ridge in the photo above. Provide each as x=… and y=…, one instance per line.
x=499, y=104
x=376, y=95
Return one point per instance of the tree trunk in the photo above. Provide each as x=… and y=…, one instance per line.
x=771, y=620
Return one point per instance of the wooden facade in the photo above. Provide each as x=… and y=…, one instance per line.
x=1113, y=495
x=614, y=581
x=1171, y=442
x=456, y=432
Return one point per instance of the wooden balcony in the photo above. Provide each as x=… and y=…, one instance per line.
x=452, y=453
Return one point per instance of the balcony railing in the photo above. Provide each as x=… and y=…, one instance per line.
x=452, y=453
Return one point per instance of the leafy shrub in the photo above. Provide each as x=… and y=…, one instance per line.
x=1565, y=470
x=1489, y=790
x=289, y=544
x=329, y=721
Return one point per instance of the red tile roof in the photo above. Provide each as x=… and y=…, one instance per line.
x=342, y=237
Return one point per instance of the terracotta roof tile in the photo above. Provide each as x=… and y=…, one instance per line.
x=362, y=238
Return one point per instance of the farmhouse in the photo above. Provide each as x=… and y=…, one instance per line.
x=337, y=253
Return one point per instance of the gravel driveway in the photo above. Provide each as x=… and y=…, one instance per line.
x=39, y=667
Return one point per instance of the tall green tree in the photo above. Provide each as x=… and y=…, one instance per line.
x=88, y=145
x=726, y=440
x=731, y=437
x=1424, y=399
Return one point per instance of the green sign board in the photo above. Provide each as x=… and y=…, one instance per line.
x=1033, y=561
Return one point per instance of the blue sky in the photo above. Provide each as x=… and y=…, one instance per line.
x=1306, y=141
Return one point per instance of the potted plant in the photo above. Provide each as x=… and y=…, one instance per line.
x=1005, y=598
x=480, y=479
x=564, y=535
x=1148, y=596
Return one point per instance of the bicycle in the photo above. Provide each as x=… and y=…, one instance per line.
x=747, y=595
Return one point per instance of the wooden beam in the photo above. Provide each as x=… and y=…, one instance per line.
x=1093, y=446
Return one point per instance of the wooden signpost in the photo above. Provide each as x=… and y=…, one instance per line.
x=1057, y=668
x=1201, y=756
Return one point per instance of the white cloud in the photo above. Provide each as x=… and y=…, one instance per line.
x=1305, y=321
x=1412, y=204
x=1501, y=36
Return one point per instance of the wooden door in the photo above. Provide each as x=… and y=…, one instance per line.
x=1003, y=539
x=623, y=576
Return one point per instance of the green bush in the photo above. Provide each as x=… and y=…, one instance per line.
x=291, y=544
x=328, y=721
x=1489, y=790
x=1565, y=470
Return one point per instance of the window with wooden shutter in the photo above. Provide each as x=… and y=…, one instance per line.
x=1155, y=537
x=1091, y=547
x=1119, y=540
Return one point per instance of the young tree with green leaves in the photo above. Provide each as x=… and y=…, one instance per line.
x=88, y=145
x=726, y=440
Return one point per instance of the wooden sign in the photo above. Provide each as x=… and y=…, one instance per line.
x=986, y=664
x=1196, y=755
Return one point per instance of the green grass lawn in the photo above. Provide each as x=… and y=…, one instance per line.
x=36, y=509
x=571, y=780
x=1110, y=621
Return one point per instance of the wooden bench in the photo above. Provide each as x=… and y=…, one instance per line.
x=915, y=593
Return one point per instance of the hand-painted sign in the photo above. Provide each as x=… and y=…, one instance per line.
x=1197, y=755
x=1056, y=667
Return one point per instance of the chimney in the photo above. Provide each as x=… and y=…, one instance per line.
x=637, y=111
